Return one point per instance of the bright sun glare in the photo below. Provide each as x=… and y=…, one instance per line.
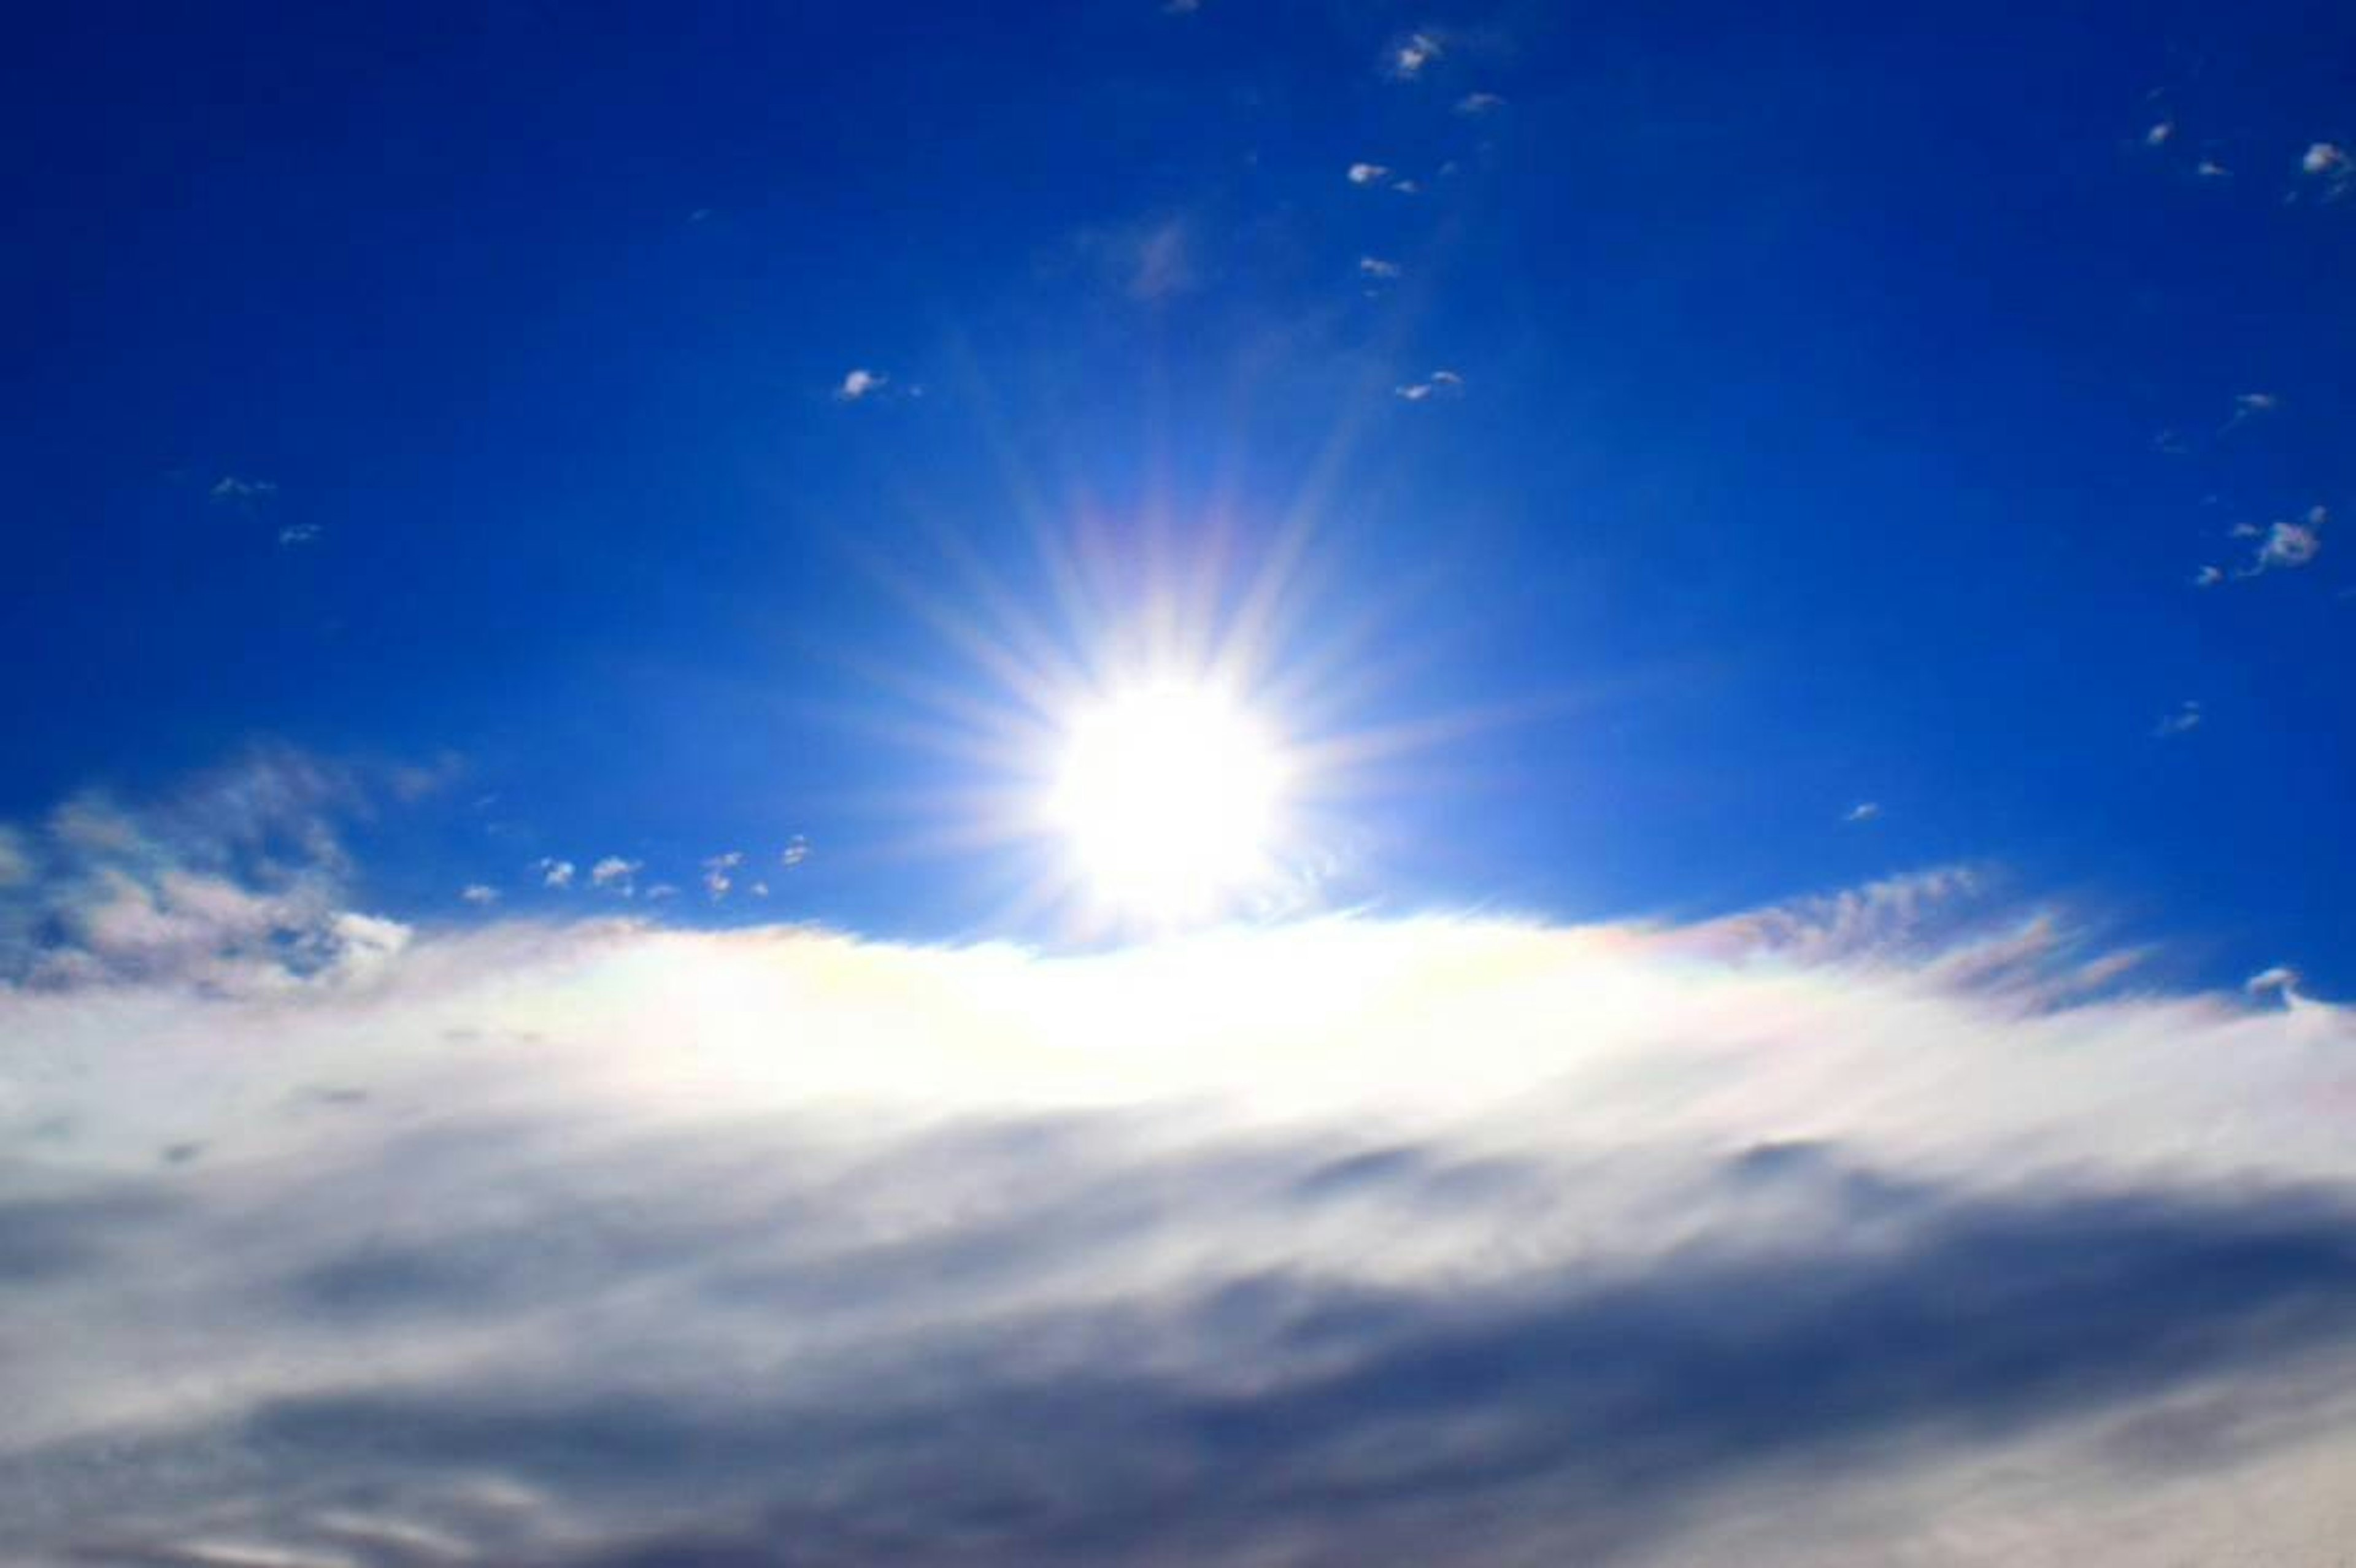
x=1168, y=796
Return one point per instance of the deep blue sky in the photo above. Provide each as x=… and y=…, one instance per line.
x=1849, y=399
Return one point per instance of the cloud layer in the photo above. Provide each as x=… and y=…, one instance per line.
x=1884, y=1227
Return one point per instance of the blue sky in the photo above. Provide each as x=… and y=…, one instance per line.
x=1823, y=380
x=1145, y=783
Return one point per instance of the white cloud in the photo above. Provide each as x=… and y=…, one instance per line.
x=1863, y=811
x=1408, y=58
x=2208, y=577
x=1367, y=173
x=2183, y=722
x=2210, y=169
x=860, y=384
x=1377, y=268
x=2323, y=158
x=298, y=533
x=1392, y=1242
x=1479, y=104
x=2278, y=978
x=2158, y=134
x=479, y=894
x=229, y=488
x=556, y=873
x=2281, y=546
x=2288, y=544
x=2285, y=545
x=1434, y=385
x=233, y=884
x=795, y=851
x=615, y=874
x=718, y=873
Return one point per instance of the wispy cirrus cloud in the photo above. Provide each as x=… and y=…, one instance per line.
x=1440, y=383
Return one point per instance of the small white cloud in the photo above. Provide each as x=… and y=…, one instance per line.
x=231, y=488
x=2286, y=545
x=1863, y=811
x=860, y=384
x=478, y=894
x=2210, y=169
x=1411, y=54
x=2249, y=406
x=2281, y=544
x=1376, y=267
x=794, y=853
x=1407, y=188
x=556, y=873
x=2289, y=544
x=298, y=533
x=718, y=875
x=2185, y=720
x=2281, y=980
x=759, y=890
x=2208, y=577
x=1479, y=104
x=615, y=874
x=1367, y=173
x=2323, y=158
x=2158, y=134
x=1439, y=382
x=659, y=891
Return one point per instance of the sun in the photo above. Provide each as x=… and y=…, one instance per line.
x=1168, y=796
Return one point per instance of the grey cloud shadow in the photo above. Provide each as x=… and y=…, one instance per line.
x=1381, y=1425
x=49, y=1238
